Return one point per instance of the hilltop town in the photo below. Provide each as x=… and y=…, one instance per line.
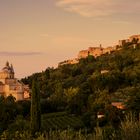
x=98, y=51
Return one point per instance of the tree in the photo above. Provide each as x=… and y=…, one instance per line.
x=70, y=93
x=8, y=111
x=35, y=109
x=133, y=102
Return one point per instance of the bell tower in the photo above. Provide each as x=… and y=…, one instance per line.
x=12, y=73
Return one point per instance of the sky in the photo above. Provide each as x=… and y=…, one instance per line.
x=36, y=34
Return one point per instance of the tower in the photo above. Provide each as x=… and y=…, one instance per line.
x=12, y=72
x=7, y=64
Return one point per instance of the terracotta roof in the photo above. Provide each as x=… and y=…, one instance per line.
x=119, y=105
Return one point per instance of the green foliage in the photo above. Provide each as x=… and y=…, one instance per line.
x=61, y=121
x=80, y=90
x=133, y=101
x=35, y=109
x=129, y=130
x=20, y=124
x=8, y=111
x=96, y=90
x=70, y=93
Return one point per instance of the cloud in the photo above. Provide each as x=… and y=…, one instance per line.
x=5, y=53
x=100, y=8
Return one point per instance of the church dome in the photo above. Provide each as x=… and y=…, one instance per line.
x=7, y=72
x=7, y=68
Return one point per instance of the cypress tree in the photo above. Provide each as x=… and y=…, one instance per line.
x=35, y=109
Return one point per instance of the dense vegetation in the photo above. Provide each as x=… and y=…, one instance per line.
x=129, y=130
x=82, y=88
x=73, y=95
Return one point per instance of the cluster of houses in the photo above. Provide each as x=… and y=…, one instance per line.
x=98, y=51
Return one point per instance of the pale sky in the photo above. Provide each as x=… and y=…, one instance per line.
x=36, y=34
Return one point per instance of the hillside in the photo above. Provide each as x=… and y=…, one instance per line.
x=93, y=84
x=96, y=92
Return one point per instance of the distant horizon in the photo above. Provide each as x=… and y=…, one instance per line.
x=40, y=34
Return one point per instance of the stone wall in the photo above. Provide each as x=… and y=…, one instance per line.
x=130, y=39
x=70, y=61
x=95, y=51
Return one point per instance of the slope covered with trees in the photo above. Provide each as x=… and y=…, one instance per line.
x=72, y=96
x=90, y=86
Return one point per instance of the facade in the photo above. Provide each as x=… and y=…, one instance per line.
x=130, y=39
x=9, y=85
x=104, y=71
x=96, y=51
x=70, y=61
x=122, y=42
x=137, y=37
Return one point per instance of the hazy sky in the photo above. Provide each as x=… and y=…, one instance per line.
x=36, y=34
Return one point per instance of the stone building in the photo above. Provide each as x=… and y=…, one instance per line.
x=130, y=39
x=70, y=61
x=137, y=37
x=122, y=42
x=96, y=51
x=9, y=85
